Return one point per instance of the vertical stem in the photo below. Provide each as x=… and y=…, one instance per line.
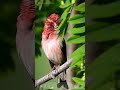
x=70, y=48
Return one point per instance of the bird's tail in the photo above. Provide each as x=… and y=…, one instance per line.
x=62, y=80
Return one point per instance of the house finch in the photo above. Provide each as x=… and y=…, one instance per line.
x=54, y=49
x=25, y=36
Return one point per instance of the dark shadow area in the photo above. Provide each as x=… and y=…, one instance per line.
x=9, y=11
x=6, y=61
x=103, y=47
x=12, y=72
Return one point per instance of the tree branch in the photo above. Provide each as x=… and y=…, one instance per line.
x=53, y=74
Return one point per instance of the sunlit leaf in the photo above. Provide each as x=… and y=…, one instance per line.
x=66, y=4
x=76, y=62
x=77, y=19
x=80, y=50
x=77, y=30
x=62, y=24
x=80, y=7
x=79, y=81
x=78, y=55
x=76, y=39
x=65, y=13
x=62, y=28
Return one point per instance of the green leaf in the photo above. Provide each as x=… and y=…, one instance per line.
x=41, y=4
x=76, y=62
x=107, y=63
x=62, y=28
x=67, y=3
x=62, y=24
x=102, y=11
x=78, y=55
x=78, y=89
x=77, y=19
x=76, y=39
x=111, y=32
x=79, y=81
x=77, y=30
x=80, y=50
x=80, y=7
x=77, y=16
x=65, y=13
x=62, y=2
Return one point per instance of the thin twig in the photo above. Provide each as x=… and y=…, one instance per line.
x=53, y=74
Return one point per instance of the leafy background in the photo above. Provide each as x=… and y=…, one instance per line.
x=102, y=28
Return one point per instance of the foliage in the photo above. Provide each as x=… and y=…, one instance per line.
x=103, y=27
x=78, y=37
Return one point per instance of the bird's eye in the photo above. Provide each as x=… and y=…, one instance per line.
x=55, y=20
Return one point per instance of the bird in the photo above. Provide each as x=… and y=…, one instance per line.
x=25, y=36
x=54, y=49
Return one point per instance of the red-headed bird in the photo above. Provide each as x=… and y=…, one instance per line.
x=54, y=49
x=25, y=36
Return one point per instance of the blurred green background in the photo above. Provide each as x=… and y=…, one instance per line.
x=12, y=72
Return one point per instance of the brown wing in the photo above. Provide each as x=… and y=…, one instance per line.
x=64, y=51
x=62, y=79
x=51, y=64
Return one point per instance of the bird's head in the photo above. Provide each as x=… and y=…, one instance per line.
x=54, y=18
x=50, y=26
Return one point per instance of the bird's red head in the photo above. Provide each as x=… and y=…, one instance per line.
x=49, y=25
x=54, y=18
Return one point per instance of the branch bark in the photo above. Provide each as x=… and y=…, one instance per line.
x=53, y=74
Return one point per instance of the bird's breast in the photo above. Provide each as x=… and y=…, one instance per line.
x=52, y=49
